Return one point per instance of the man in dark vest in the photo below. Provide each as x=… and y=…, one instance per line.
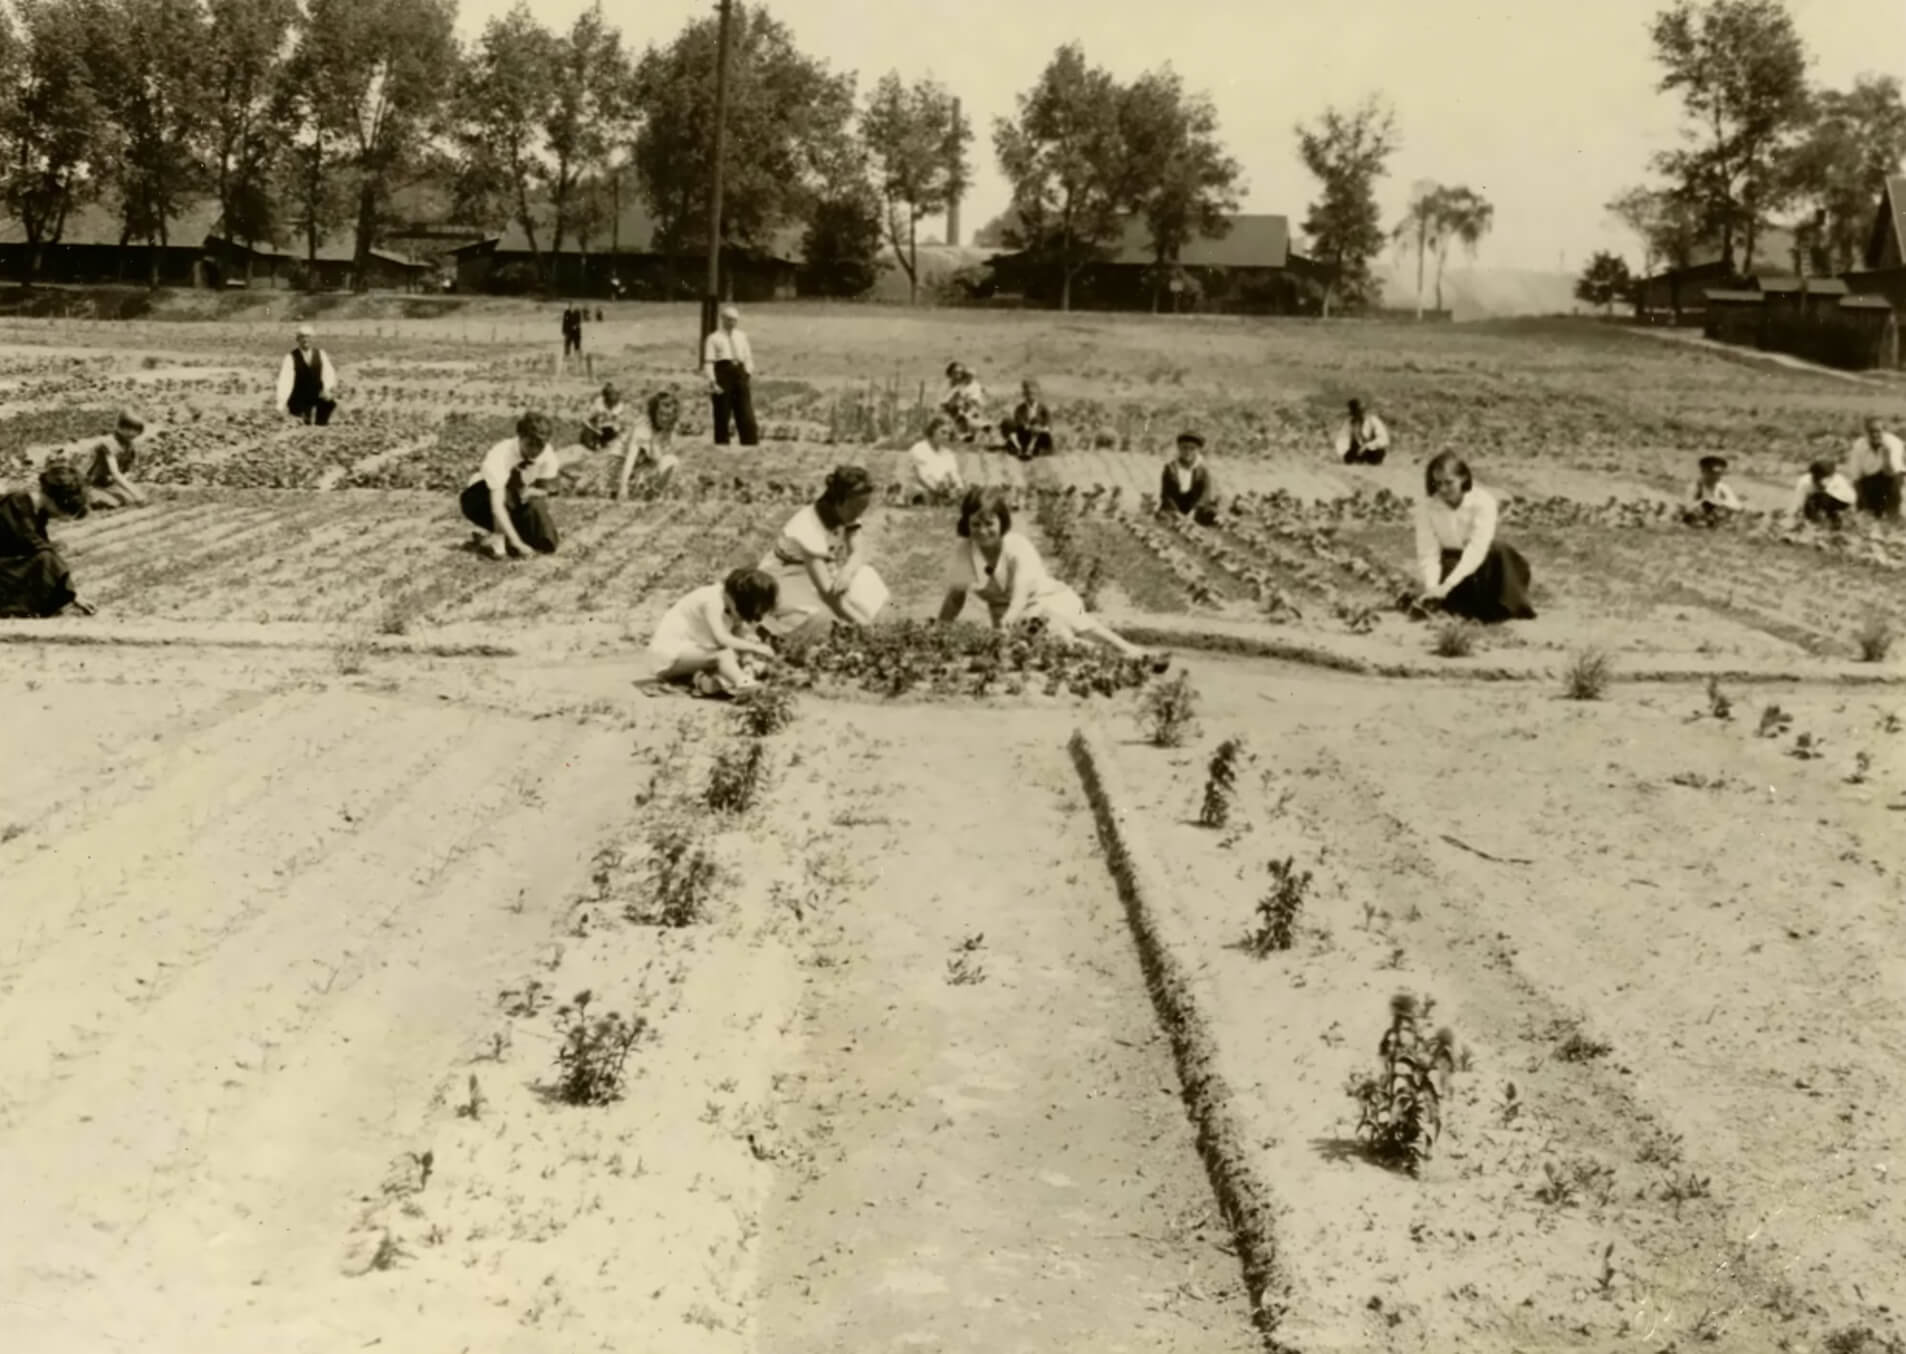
x=307, y=382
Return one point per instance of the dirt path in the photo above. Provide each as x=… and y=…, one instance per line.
x=996, y=1165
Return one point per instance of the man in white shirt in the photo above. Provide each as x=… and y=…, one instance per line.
x=506, y=499
x=1363, y=440
x=307, y=382
x=1823, y=495
x=728, y=367
x=1878, y=464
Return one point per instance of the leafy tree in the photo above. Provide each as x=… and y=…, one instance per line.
x=51, y=124
x=1179, y=179
x=1853, y=141
x=1421, y=226
x=507, y=96
x=245, y=42
x=590, y=114
x=1066, y=164
x=1348, y=152
x=788, y=116
x=1605, y=281
x=1741, y=71
x=917, y=138
x=1464, y=216
x=843, y=243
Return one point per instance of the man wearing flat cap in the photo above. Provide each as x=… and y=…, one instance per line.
x=1185, y=486
x=307, y=382
x=728, y=367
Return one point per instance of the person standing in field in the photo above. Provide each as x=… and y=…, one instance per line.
x=728, y=367
x=650, y=446
x=933, y=471
x=507, y=499
x=307, y=382
x=109, y=460
x=572, y=331
x=1003, y=569
x=1823, y=496
x=34, y=579
x=816, y=562
x=1878, y=464
x=1028, y=432
x=964, y=402
x=1184, y=487
x=1363, y=440
x=1712, y=500
x=700, y=639
x=1466, y=569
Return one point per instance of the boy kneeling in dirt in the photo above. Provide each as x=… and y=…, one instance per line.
x=697, y=641
x=1713, y=499
x=1822, y=496
x=506, y=499
x=107, y=461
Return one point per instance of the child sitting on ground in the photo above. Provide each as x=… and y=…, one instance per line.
x=697, y=643
x=1822, y=496
x=107, y=461
x=1712, y=499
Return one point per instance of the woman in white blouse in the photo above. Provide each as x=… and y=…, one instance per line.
x=933, y=471
x=1003, y=569
x=816, y=560
x=1466, y=570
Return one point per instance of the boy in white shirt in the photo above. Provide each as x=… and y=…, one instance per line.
x=1878, y=463
x=1712, y=499
x=1822, y=495
x=1363, y=440
x=933, y=471
x=107, y=459
x=506, y=498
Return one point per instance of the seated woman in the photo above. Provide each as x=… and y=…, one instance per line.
x=699, y=642
x=34, y=580
x=109, y=459
x=1185, y=486
x=816, y=562
x=1028, y=432
x=1823, y=496
x=608, y=421
x=650, y=446
x=933, y=471
x=964, y=403
x=505, y=498
x=1363, y=440
x=1466, y=570
x=1003, y=569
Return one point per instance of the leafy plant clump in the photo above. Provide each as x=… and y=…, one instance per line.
x=909, y=657
x=1719, y=704
x=739, y=774
x=1588, y=675
x=764, y=710
x=1169, y=712
x=682, y=876
x=1455, y=638
x=1400, y=1109
x=1874, y=639
x=1221, y=786
x=1774, y=722
x=591, y=1054
x=1279, y=908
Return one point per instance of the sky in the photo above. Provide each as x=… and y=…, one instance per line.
x=1548, y=108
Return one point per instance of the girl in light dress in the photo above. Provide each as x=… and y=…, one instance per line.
x=817, y=563
x=1467, y=571
x=699, y=641
x=933, y=471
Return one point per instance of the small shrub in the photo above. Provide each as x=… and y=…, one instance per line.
x=1719, y=705
x=738, y=777
x=1455, y=638
x=1588, y=675
x=1862, y=767
x=964, y=969
x=1774, y=721
x=1169, y=712
x=1874, y=639
x=1575, y=1046
x=1565, y=1185
x=681, y=879
x=1221, y=786
x=765, y=710
x=1279, y=908
x=1862, y=1340
x=1400, y=1112
x=1809, y=748
x=1681, y=1188
x=591, y=1054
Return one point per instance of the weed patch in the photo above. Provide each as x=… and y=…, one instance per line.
x=1400, y=1109
x=682, y=878
x=739, y=775
x=593, y=1053
x=1588, y=674
x=1454, y=638
x=1169, y=712
x=1279, y=908
x=1221, y=784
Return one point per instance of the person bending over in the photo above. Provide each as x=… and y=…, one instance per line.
x=700, y=640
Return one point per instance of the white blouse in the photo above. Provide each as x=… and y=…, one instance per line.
x=1018, y=570
x=933, y=468
x=1469, y=527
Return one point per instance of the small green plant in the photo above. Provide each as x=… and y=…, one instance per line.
x=388, y=1253
x=1808, y=748
x=1091, y=582
x=352, y=655
x=964, y=968
x=1774, y=722
x=1574, y=1045
x=1168, y=712
x=1890, y=722
x=765, y=709
x=1862, y=767
x=1221, y=785
x=1660, y=1149
x=591, y=1054
x=1862, y=1340
x=1719, y=704
x=1588, y=674
x=1511, y=1107
x=681, y=880
x=1400, y=1109
x=1682, y=1188
x=738, y=777
x=1874, y=639
x=1455, y=638
x=1605, y=1280
x=1565, y=1185
x=1279, y=908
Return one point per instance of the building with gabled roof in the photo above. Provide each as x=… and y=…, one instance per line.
x=1247, y=267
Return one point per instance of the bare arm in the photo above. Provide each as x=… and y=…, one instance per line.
x=728, y=639
x=952, y=606
x=1429, y=554
x=1481, y=536
x=500, y=515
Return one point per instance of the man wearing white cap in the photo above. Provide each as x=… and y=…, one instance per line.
x=307, y=382
x=728, y=367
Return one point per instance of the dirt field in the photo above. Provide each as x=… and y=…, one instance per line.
x=314, y=833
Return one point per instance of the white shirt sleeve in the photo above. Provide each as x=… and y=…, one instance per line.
x=1482, y=534
x=1429, y=551
x=286, y=379
x=497, y=463
x=328, y=375
x=1725, y=496
x=1895, y=454
x=1379, y=435
x=744, y=351
x=1838, y=487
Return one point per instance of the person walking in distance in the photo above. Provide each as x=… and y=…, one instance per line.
x=728, y=367
x=307, y=382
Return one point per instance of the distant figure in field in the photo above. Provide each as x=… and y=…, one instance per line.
x=1878, y=464
x=506, y=498
x=1028, y=432
x=933, y=471
x=109, y=461
x=964, y=402
x=817, y=564
x=1362, y=440
x=572, y=331
x=34, y=579
x=608, y=422
x=307, y=382
x=728, y=367
x=1184, y=487
x=1002, y=568
x=650, y=445
x=1712, y=501
x=700, y=639
x=1823, y=496
x=1467, y=571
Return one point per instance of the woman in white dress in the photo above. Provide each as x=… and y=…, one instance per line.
x=933, y=471
x=649, y=446
x=816, y=562
x=1467, y=570
x=1003, y=569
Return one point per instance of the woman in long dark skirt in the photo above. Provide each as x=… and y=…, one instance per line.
x=34, y=579
x=1466, y=570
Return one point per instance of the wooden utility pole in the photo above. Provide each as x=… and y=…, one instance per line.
x=711, y=297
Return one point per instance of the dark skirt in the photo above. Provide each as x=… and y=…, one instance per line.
x=530, y=516
x=1878, y=494
x=38, y=584
x=1497, y=591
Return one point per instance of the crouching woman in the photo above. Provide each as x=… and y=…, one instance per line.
x=34, y=579
x=1467, y=571
x=700, y=641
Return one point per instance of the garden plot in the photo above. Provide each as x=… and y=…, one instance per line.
x=1678, y=1023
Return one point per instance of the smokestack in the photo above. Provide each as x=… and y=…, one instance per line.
x=953, y=202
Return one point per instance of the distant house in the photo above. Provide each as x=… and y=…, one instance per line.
x=266, y=265
x=1679, y=295
x=1884, y=273
x=93, y=248
x=627, y=258
x=1250, y=268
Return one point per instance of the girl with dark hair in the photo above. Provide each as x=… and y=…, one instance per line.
x=650, y=445
x=700, y=639
x=1466, y=570
x=1003, y=569
x=34, y=579
x=816, y=562
x=505, y=498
